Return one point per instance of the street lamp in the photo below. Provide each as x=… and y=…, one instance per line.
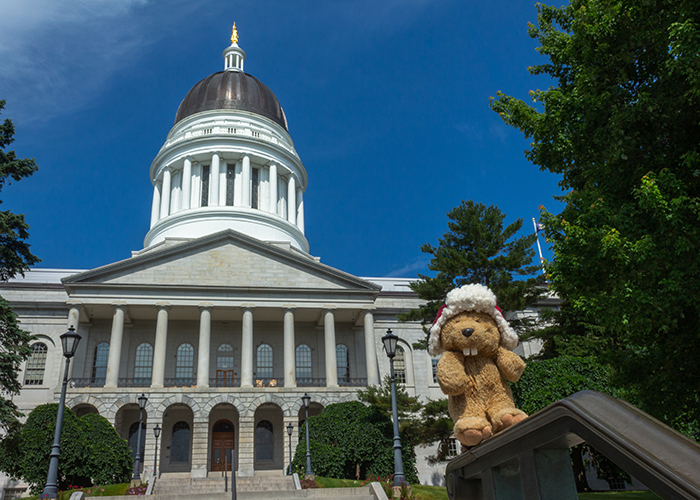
x=142, y=399
x=290, y=429
x=156, y=432
x=69, y=343
x=309, y=473
x=390, y=340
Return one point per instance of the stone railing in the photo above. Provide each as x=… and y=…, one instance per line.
x=180, y=382
x=230, y=129
x=134, y=382
x=311, y=382
x=224, y=382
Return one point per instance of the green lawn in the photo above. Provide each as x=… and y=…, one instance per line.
x=95, y=491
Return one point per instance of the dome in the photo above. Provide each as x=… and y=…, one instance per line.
x=232, y=90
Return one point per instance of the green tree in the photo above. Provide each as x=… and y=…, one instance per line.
x=477, y=248
x=621, y=126
x=15, y=258
x=352, y=441
x=91, y=450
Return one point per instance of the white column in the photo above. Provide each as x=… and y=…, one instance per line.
x=74, y=321
x=165, y=195
x=204, y=345
x=290, y=379
x=155, y=207
x=292, y=200
x=214, y=180
x=247, y=346
x=300, y=209
x=186, y=184
x=329, y=341
x=273, y=188
x=370, y=350
x=245, y=182
x=161, y=343
x=115, y=346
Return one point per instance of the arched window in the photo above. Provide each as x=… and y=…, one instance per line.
x=434, y=362
x=143, y=366
x=34, y=374
x=264, y=369
x=264, y=441
x=133, y=437
x=99, y=361
x=224, y=366
x=341, y=359
x=184, y=365
x=180, y=446
x=303, y=363
x=400, y=365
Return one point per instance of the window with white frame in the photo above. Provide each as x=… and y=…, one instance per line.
x=264, y=368
x=303, y=362
x=184, y=364
x=143, y=365
x=341, y=359
x=99, y=361
x=400, y=365
x=34, y=374
x=434, y=363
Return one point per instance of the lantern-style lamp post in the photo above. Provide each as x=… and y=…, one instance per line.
x=156, y=433
x=290, y=429
x=390, y=341
x=142, y=399
x=309, y=473
x=69, y=343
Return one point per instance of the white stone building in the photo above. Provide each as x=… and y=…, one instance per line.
x=224, y=319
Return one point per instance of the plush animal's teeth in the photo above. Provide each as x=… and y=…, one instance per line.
x=475, y=351
x=466, y=352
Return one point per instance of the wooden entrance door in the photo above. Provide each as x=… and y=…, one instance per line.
x=222, y=445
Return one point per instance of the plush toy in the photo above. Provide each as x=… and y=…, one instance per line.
x=476, y=345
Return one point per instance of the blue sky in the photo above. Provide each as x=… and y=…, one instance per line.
x=387, y=103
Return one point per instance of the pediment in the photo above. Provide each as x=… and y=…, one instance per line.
x=227, y=259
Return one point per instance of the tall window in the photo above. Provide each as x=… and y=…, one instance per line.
x=134, y=436
x=230, y=178
x=400, y=365
x=434, y=362
x=143, y=367
x=264, y=441
x=180, y=446
x=224, y=366
x=205, y=185
x=184, y=365
x=34, y=374
x=341, y=359
x=99, y=361
x=255, y=181
x=264, y=361
x=303, y=362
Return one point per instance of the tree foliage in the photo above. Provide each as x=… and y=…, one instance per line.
x=15, y=258
x=621, y=126
x=352, y=441
x=91, y=450
x=477, y=248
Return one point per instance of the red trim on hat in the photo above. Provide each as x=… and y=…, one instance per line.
x=439, y=313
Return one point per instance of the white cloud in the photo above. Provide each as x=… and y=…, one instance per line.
x=55, y=55
x=419, y=264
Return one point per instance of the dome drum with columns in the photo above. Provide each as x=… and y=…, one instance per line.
x=229, y=163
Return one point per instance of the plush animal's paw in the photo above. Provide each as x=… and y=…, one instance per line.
x=470, y=431
x=509, y=417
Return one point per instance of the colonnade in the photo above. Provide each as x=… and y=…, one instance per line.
x=217, y=189
x=247, y=345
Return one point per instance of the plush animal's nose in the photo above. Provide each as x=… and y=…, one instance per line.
x=467, y=332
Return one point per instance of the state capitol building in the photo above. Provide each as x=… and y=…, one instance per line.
x=225, y=318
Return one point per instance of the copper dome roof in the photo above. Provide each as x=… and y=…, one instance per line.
x=232, y=90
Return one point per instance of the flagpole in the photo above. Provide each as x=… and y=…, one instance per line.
x=539, y=248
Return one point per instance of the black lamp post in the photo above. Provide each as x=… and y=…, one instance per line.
x=156, y=432
x=137, y=462
x=290, y=429
x=69, y=342
x=309, y=473
x=390, y=340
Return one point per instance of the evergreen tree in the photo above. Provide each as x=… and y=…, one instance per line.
x=621, y=126
x=15, y=258
x=477, y=248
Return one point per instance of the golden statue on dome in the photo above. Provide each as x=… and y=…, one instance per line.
x=234, y=35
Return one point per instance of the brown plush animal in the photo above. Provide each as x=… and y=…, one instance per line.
x=476, y=345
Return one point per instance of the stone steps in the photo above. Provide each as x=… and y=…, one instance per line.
x=181, y=486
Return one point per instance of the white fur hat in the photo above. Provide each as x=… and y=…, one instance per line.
x=477, y=298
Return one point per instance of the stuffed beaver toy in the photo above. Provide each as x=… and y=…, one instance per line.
x=476, y=344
